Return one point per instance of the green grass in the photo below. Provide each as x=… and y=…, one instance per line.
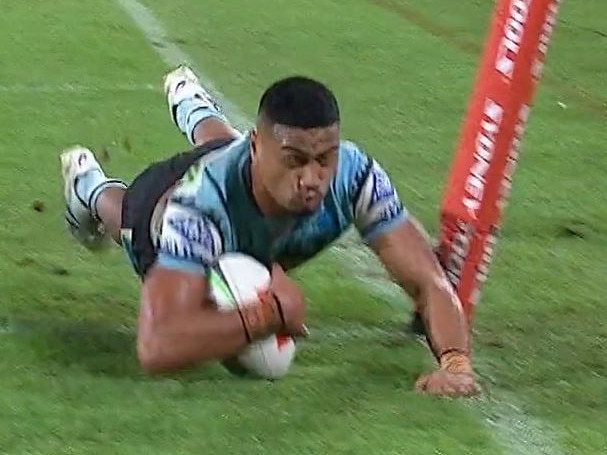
x=403, y=71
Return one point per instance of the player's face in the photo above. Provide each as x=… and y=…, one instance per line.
x=296, y=164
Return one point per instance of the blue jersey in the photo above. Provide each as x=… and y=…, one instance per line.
x=212, y=211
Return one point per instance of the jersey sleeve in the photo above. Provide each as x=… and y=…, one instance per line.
x=377, y=207
x=189, y=240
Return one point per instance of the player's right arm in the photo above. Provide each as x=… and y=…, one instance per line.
x=179, y=325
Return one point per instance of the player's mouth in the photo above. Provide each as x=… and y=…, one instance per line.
x=311, y=199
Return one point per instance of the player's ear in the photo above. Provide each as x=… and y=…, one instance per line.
x=254, y=139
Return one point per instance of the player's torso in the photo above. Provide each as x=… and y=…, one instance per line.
x=221, y=187
x=288, y=242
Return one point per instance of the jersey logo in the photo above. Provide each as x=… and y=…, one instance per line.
x=382, y=187
x=378, y=201
x=190, y=181
x=189, y=235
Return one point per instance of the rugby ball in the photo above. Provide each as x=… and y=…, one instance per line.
x=235, y=281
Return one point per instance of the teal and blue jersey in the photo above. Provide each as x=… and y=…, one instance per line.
x=212, y=211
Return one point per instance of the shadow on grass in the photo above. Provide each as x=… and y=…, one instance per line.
x=103, y=348
x=91, y=346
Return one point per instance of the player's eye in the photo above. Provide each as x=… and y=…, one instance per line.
x=293, y=160
x=324, y=159
x=327, y=158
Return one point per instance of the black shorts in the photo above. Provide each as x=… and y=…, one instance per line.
x=142, y=196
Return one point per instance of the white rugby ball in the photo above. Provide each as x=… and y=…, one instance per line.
x=236, y=280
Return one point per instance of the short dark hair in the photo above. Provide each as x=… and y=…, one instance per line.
x=299, y=101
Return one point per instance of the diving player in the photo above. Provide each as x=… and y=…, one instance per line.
x=281, y=192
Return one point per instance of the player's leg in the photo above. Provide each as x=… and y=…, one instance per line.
x=193, y=110
x=93, y=200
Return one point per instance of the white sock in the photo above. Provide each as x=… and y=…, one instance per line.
x=90, y=185
x=191, y=111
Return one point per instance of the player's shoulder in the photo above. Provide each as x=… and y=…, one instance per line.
x=360, y=175
x=354, y=166
x=221, y=158
x=370, y=191
x=209, y=175
x=221, y=163
x=351, y=152
x=196, y=224
x=353, y=159
x=203, y=192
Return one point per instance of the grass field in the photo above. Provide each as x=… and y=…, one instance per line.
x=81, y=71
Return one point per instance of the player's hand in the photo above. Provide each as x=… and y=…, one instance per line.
x=291, y=300
x=454, y=378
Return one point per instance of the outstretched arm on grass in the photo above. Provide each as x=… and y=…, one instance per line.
x=406, y=252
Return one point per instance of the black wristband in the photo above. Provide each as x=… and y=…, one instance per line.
x=244, y=326
x=279, y=306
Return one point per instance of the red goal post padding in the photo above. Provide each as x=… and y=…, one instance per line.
x=481, y=173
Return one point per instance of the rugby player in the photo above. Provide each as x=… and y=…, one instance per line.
x=281, y=192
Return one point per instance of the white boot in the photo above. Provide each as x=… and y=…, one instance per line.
x=77, y=161
x=184, y=91
x=180, y=84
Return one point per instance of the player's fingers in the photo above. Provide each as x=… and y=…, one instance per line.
x=422, y=382
x=473, y=389
x=443, y=388
x=447, y=385
x=302, y=332
x=464, y=386
x=305, y=332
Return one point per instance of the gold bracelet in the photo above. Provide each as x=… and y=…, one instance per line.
x=456, y=362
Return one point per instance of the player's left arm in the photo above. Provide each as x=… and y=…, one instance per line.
x=404, y=248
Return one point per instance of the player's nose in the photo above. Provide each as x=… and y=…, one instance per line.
x=310, y=178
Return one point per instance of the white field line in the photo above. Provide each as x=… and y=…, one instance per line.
x=156, y=34
x=515, y=432
x=76, y=88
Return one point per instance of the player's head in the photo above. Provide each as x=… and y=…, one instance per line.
x=295, y=143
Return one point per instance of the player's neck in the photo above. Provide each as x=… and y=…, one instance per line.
x=265, y=203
